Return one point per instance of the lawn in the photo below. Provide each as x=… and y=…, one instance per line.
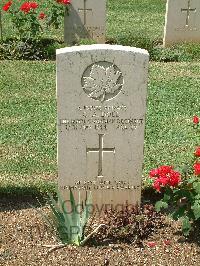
x=28, y=108
x=28, y=150
x=28, y=128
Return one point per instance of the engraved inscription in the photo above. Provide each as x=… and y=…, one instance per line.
x=100, y=150
x=102, y=81
x=99, y=184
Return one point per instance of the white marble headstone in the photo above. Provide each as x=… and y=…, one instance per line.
x=101, y=101
x=182, y=22
x=86, y=19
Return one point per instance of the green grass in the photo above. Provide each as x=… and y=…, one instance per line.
x=138, y=23
x=28, y=125
x=28, y=101
x=135, y=21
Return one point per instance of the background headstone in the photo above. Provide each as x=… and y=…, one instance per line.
x=101, y=97
x=86, y=19
x=182, y=22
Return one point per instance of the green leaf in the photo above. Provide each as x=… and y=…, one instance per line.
x=86, y=212
x=166, y=197
x=67, y=219
x=54, y=207
x=73, y=208
x=196, y=209
x=186, y=226
x=160, y=204
x=196, y=186
x=179, y=213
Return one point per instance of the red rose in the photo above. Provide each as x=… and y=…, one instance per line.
x=33, y=5
x=197, y=168
x=42, y=15
x=197, y=152
x=27, y=6
x=195, y=119
x=7, y=6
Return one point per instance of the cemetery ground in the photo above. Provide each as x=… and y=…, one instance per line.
x=29, y=166
x=29, y=145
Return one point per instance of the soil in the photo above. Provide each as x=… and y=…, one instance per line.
x=23, y=235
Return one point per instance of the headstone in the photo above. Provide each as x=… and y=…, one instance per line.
x=182, y=22
x=85, y=19
x=101, y=98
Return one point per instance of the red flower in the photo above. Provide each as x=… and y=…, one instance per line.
x=174, y=178
x=151, y=244
x=197, y=168
x=165, y=175
x=42, y=15
x=153, y=173
x=27, y=6
x=33, y=5
x=197, y=152
x=156, y=186
x=7, y=6
x=64, y=2
x=195, y=119
x=165, y=169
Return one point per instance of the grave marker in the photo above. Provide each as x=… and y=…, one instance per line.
x=86, y=19
x=101, y=97
x=182, y=22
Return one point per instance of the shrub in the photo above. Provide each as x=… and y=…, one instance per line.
x=181, y=191
x=29, y=49
x=31, y=19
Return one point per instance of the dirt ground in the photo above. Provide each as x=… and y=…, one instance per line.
x=23, y=234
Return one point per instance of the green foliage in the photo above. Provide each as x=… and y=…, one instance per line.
x=129, y=22
x=196, y=205
x=160, y=204
x=186, y=225
x=28, y=22
x=184, y=202
x=28, y=115
x=86, y=42
x=176, y=53
x=165, y=54
x=29, y=49
x=69, y=223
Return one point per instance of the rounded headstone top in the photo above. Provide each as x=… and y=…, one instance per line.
x=101, y=47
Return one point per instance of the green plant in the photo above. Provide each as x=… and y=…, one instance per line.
x=29, y=49
x=29, y=18
x=181, y=192
x=130, y=224
x=69, y=224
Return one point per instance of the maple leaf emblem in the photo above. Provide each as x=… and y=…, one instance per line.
x=103, y=83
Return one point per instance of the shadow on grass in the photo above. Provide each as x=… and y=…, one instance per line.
x=21, y=197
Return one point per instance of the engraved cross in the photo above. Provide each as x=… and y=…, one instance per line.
x=84, y=10
x=188, y=10
x=101, y=151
